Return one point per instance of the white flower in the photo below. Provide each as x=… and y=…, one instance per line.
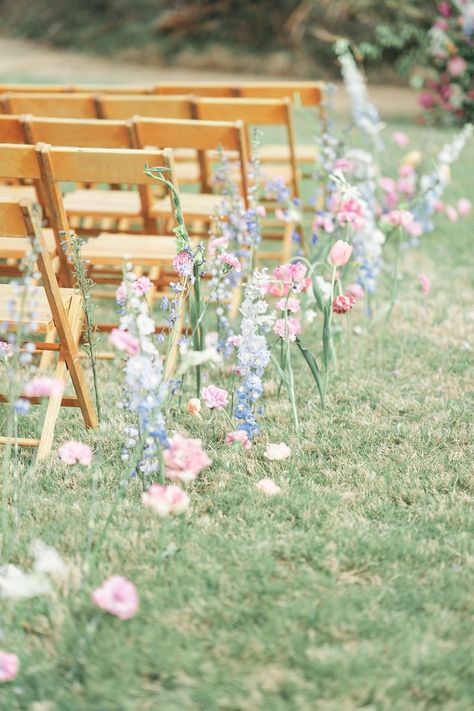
x=47, y=560
x=16, y=584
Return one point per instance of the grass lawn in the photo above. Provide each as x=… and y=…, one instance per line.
x=351, y=590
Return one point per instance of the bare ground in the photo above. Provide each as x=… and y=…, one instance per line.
x=22, y=61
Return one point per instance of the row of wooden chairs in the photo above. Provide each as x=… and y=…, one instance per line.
x=306, y=93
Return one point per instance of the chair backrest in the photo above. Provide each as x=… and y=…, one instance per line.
x=60, y=105
x=11, y=130
x=98, y=165
x=124, y=107
x=255, y=112
x=214, y=88
x=82, y=133
x=35, y=88
x=305, y=93
x=199, y=135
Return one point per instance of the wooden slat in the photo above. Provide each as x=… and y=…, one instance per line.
x=18, y=161
x=11, y=130
x=201, y=135
x=48, y=104
x=254, y=111
x=124, y=107
x=83, y=133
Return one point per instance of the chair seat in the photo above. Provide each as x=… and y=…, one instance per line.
x=145, y=250
x=43, y=319
x=16, y=248
x=103, y=203
x=198, y=206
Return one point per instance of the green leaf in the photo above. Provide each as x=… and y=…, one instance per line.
x=313, y=366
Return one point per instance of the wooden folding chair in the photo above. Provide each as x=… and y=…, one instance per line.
x=57, y=310
x=202, y=88
x=124, y=107
x=257, y=112
x=60, y=105
x=201, y=137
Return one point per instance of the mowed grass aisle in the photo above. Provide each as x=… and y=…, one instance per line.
x=351, y=590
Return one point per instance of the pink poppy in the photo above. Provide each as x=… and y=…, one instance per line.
x=117, y=596
x=238, y=437
x=185, y=458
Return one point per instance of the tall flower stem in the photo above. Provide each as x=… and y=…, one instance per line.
x=395, y=283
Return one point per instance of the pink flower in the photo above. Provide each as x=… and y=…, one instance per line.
x=343, y=164
x=452, y=213
x=194, y=406
x=456, y=66
x=268, y=487
x=342, y=304
x=464, y=207
x=44, y=387
x=124, y=341
x=406, y=170
x=424, y=283
x=355, y=290
x=185, y=458
x=238, y=437
x=324, y=221
x=281, y=215
x=118, y=596
x=289, y=329
x=214, y=397
x=230, y=261
x=5, y=349
x=141, y=285
x=291, y=304
x=183, y=264
x=426, y=100
x=414, y=229
x=292, y=274
x=444, y=9
x=165, y=500
x=261, y=210
x=387, y=184
x=9, y=666
x=401, y=139
x=75, y=453
x=340, y=253
x=350, y=212
x=277, y=452
x=398, y=218
x=121, y=294
x=234, y=340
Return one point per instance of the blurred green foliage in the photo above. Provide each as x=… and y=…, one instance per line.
x=392, y=30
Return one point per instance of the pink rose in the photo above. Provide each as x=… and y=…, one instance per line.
x=215, y=398
x=75, y=453
x=287, y=329
x=165, y=500
x=277, y=452
x=117, y=596
x=185, y=458
x=268, y=487
x=124, y=341
x=238, y=437
x=44, y=387
x=9, y=666
x=340, y=253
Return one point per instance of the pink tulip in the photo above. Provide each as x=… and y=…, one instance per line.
x=9, y=666
x=124, y=341
x=268, y=487
x=238, y=437
x=185, y=458
x=117, y=596
x=215, y=398
x=166, y=500
x=75, y=453
x=340, y=253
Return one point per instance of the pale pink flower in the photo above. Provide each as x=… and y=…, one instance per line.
x=401, y=139
x=75, y=453
x=183, y=264
x=268, y=487
x=350, y=212
x=9, y=666
x=343, y=164
x=456, y=66
x=43, y=386
x=292, y=274
x=230, y=261
x=406, y=170
x=124, y=341
x=185, y=458
x=238, y=437
x=118, y=596
x=356, y=291
x=464, y=207
x=234, y=340
x=340, y=253
x=277, y=452
x=141, y=285
x=5, y=349
x=165, y=500
x=406, y=185
x=424, y=283
x=398, y=218
x=290, y=304
x=281, y=215
x=217, y=243
x=387, y=184
x=261, y=210
x=452, y=213
x=343, y=304
x=215, y=398
x=194, y=406
x=439, y=207
x=291, y=328
x=426, y=100
x=325, y=222
x=121, y=294
x=415, y=229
